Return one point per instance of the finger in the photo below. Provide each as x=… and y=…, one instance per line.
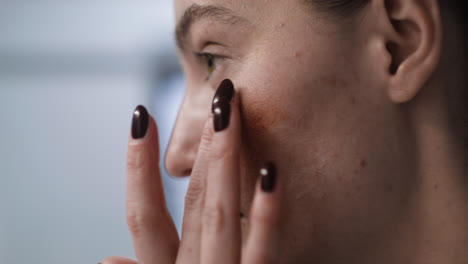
x=263, y=238
x=189, y=250
x=220, y=219
x=153, y=232
x=118, y=260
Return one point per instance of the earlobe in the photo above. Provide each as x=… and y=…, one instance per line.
x=414, y=43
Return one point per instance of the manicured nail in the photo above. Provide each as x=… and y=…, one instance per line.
x=268, y=174
x=140, y=122
x=221, y=114
x=225, y=90
x=221, y=105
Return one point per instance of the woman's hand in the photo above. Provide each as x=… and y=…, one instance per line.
x=211, y=225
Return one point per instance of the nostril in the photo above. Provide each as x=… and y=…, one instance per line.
x=187, y=172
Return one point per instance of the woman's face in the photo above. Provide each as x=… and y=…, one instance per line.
x=312, y=101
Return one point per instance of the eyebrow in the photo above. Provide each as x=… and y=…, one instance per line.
x=197, y=12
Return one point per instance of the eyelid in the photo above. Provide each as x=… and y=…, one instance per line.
x=213, y=48
x=209, y=54
x=204, y=56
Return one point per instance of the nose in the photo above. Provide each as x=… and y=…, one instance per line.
x=183, y=146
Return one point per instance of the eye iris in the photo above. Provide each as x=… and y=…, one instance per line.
x=210, y=63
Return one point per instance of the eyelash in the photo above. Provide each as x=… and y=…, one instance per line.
x=209, y=60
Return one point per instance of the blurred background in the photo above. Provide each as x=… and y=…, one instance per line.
x=71, y=73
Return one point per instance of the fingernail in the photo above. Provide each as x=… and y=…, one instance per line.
x=221, y=105
x=140, y=122
x=221, y=114
x=268, y=174
x=225, y=90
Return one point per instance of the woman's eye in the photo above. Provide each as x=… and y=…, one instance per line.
x=210, y=61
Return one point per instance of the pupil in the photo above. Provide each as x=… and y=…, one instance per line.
x=210, y=63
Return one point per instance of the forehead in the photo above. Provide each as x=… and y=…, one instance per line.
x=238, y=6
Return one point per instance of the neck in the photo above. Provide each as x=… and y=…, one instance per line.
x=435, y=229
x=441, y=203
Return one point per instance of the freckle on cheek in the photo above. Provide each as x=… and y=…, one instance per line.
x=363, y=163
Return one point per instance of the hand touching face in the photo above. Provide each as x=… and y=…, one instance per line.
x=211, y=226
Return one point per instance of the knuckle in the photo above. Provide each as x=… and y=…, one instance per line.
x=194, y=195
x=222, y=152
x=213, y=219
x=138, y=222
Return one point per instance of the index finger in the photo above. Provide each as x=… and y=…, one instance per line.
x=153, y=232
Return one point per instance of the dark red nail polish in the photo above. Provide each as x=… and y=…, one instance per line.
x=268, y=180
x=225, y=90
x=221, y=105
x=221, y=114
x=140, y=122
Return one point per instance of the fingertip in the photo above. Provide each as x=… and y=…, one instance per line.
x=153, y=129
x=140, y=122
x=262, y=245
x=143, y=125
x=268, y=177
x=267, y=202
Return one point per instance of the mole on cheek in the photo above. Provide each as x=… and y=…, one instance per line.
x=363, y=163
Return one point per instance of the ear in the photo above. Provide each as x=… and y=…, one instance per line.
x=412, y=34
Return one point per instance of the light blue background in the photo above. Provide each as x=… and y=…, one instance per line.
x=71, y=73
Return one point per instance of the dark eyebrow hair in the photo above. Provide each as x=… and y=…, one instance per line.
x=196, y=12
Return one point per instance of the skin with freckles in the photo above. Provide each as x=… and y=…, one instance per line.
x=361, y=133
